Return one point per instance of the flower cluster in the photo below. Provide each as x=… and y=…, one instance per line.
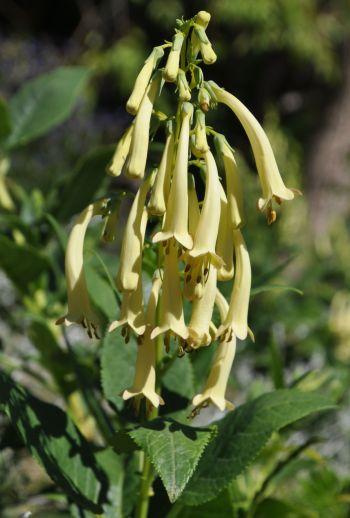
x=199, y=241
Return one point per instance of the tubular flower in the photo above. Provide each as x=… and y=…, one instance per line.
x=171, y=318
x=233, y=181
x=200, y=136
x=132, y=245
x=224, y=244
x=121, y=153
x=236, y=318
x=208, y=55
x=79, y=308
x=161, y=187
x=183, y=87
x=191, y=288
x=215, y=387
x=172, y=65
x=143, y=79
x=144, y=384
x=202, y=310
x=176, y=216
x=140, y=137
x=270, y=178
x=132, y=315
x=202, y=19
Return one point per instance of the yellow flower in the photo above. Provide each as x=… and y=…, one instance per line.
x=176, y=216
x=215, y=388
x=144, y=384
x=183, y=87
x=208, y=54
x=224, y=244
x=202, y=19
x=142, y=80
x=6, y=201
x=121, y=153
x=79, y=308
x=132, y=315
x=132, y=245
x=200, y=136
x=161, y=187
x=171, y=318
x=172, y=65
x=139, y=143
x=192, y=289
x=202, y=310
x=233, y=181
x=270, y=178
x=236, y=319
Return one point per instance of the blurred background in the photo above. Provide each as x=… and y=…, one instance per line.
x=289, y=62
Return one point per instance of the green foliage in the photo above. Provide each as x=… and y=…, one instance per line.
x=43, y=103
x=174, y=449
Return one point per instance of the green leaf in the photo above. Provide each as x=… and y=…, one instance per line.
x=112, y=465
x=118, y=366
x=23, y=264
x=174, y=450
x=241, y=436
x=5, y=121
x=178, y=378
x=273, y=508
x=56, y=443
x=84, y=183
x=101, y=293
x=221, y=506
x=44, y=102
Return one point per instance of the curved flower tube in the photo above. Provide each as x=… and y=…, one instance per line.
x=202, y=18
x=236, y=319
x=270, y=178
x=171, y=68
x=192, y=289
x=144, y=384
x=176, y=216
x=161, y=187
x=139, y=143
x=200, y=136
x=233, y=181
x=208, y=225
x=202, y=310
x=121, y=153
x=79, y=308
x=132, y=315
x=134, y=235
x=215, y=387
x=183, y=87
x=208, y=54
x=224, y=244
x=142, y=80
x=171, y=318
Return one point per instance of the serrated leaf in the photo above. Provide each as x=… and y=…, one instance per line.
x=23, y=264
x=174, y=450
x=221, y=506
x=44, y=102
x=56, y=443
x=84, y=182
x=118, y=366
x=179, y=377
x=241, y=436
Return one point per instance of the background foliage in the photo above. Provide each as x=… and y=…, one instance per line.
x=288, y=61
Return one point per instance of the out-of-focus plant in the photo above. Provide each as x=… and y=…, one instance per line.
x=102, y=456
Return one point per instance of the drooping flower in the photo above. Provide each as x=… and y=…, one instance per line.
x=183, y=86
x=142, y=80
x=224, y=244
x=192, y=289
x=132, y=245
x=200, y=136
x=236, y=321
x=208, y=54
x=233, y=181
x=79, y=307
x=161, y=187
x=270, y=178
x=171, y=318
x=201, y=19
x=202, y=310
x=136, y=163
x=144, y=384
x=132, y=315
x=121, y=153
x=171, y=68
x=215, y=387
x=176, y=216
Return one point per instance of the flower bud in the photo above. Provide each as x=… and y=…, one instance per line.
x=121, y=153
x=208, y=54
x=172, y=65
x=200, y=136
x=183, y=87
x=142, y=80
